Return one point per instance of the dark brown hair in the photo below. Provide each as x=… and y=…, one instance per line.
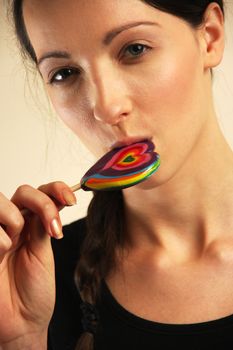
x=105, y=217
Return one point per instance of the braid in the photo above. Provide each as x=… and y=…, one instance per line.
x=105, y=223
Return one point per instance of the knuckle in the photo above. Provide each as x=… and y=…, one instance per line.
x=58, y=185
x=16, y=221
x=5, y=245
x=22, y=189
x=42, y=187
x=55, y=186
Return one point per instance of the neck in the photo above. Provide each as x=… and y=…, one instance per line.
x=192, y=209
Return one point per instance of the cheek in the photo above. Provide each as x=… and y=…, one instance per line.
x=78, y=118
x=72, y=114
x=171, y=101
x=172, y=87
x=67, y=107
x=170, y=95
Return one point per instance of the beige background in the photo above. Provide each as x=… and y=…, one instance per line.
x=36, y=148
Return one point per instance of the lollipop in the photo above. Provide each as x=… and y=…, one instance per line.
x=121, y=168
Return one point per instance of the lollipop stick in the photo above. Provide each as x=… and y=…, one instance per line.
x=75, y=187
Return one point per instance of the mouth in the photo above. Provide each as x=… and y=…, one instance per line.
x=129, y=141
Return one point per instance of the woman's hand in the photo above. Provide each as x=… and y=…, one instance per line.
x=27, y=283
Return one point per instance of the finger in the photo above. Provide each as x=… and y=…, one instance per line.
x=10, y=217
x=42, y=205
x=5, y=243
x=60, y=192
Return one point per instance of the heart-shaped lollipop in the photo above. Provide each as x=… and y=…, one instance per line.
x=121, y=168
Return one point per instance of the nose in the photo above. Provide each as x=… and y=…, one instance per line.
x=111, y=101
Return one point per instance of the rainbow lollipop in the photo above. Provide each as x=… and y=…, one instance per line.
x=121, y=168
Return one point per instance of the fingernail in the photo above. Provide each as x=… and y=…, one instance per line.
x=69, y=197
x=56, y=229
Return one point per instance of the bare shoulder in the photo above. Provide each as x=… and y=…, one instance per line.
x=157, y=294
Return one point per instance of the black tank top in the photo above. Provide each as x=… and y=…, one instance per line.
x=119, y=329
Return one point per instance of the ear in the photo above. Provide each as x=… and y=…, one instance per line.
x=213, y=36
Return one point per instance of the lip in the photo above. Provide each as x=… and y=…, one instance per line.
x=129, y=141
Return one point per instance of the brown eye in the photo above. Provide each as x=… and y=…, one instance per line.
x=63, y=75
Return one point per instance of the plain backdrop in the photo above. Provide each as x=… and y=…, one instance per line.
x=36, y=148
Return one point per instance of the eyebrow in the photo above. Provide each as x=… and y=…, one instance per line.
x=113, y=33
x=108, y=38
x=53, y=54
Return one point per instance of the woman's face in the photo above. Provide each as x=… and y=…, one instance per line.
x=117, y=70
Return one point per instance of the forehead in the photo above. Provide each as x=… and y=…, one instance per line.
x=83, y=10
x=79, y=22
x=83, y=14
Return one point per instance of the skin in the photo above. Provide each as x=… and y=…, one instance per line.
x=181, y=237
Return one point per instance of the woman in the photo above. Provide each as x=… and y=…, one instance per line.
x=156, y=262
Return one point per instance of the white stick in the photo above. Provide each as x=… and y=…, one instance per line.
x=75, y=187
